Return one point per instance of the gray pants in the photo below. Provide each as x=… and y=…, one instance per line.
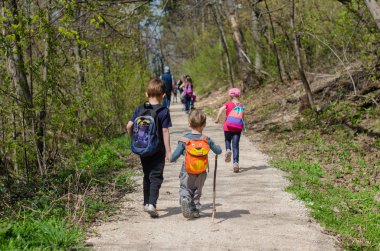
x=191, y=188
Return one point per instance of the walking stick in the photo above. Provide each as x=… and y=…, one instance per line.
x=214, y=186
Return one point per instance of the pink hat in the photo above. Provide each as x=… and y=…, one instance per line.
x=234, y=92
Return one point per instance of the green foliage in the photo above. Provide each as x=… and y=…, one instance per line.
x=39, y=234
x=49, y=218
x=206, y=60
x=103, y=159
x=354, y=216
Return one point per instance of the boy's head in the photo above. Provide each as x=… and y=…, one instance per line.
x=234, y=93
x=156, y=89
x=197, y=119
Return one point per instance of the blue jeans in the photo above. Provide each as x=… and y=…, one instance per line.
x=233, y=137
x=187, y=103
x=166, y=102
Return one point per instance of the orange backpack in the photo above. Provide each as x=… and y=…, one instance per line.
x=196, y=157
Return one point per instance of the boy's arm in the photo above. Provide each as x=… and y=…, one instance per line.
x=221, y=110
x=129, y=128
x=216, y=149
x=178, y=151
x=166, y=135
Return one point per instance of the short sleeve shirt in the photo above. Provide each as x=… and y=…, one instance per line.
x=229, y=107
x=163, y=118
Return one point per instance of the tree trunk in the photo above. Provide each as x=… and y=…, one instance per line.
x=224, y=44
x=256, y=35
x=275, y=46
x=245, y=70
x=374, y=8
x=298, y=58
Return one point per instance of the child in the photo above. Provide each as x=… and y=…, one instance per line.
x=187, y=93
x=233, y=126
x=195, y=147
x=151, y=122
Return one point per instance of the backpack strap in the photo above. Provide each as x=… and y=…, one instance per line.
x=184, y=140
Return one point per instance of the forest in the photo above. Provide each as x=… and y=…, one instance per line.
x=72, y=72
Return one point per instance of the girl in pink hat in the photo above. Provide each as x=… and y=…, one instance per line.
x=232, y=126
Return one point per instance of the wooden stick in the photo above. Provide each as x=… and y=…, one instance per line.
x=214, y=190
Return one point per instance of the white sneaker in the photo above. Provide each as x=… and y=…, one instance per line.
x=228, y=156
x=152, y=211
x=146, y=207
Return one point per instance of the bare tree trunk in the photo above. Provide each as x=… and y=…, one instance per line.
x=224, y=44
x=299, y=61
x=275, y=46
x=374, y=8
x=245, y=70
x=79, y=65
x=256, y=35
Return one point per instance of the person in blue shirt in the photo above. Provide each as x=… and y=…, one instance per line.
x=169, y=85
x=193, y=178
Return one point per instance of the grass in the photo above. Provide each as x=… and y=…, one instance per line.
x=56, y=215
x=355, y=216
x=40, y=234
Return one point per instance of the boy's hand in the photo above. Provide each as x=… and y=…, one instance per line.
x=216, y=121
x=168, y=156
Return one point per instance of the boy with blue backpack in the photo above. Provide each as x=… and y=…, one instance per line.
x=150, y=139
x=233, y=126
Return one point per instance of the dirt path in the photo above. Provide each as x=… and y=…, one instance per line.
x=253, y=211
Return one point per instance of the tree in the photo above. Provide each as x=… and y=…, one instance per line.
x=297, y=55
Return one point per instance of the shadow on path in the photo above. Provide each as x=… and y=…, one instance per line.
x=170, y=211
x=246, y=169
x=223, y=216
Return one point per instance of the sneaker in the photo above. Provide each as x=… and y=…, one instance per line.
x=185, y=206
x=146, y=207
x=236, y=167
x=195, y=213
x=152, y=211
x=228, y=156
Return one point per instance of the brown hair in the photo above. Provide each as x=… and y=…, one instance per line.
x=197, y=119
x=156, y=88
x=188, y=79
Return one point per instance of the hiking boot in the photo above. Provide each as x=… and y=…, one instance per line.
x=228, y=156
x=236, y=167
x=152, y=211
x=195, y=213
x=185, y=206
x=146, y=207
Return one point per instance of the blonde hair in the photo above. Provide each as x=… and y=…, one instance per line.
x=197, y=119
x=155, y=88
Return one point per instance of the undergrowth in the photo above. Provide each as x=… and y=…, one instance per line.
x=335, y=170
x=355, y=216
x=54, y=215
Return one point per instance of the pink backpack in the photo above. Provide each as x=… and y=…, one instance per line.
x=235, y=119
x=188, y=90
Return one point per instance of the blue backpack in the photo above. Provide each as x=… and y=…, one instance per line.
x=145, y=136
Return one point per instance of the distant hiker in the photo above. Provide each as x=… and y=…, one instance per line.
x=187, y=93
x=149, y=130
x=232, y=126
x=180, y=84
x=175, y=92
x=169, y=85
x=195, y=146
